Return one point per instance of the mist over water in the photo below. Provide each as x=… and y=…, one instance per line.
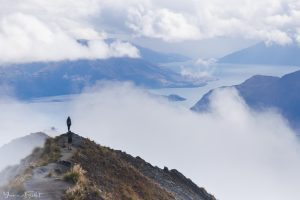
x=232, y=151
x=222, y=74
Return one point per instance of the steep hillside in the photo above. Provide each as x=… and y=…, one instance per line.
x=265, y=55
x=90, y=171
x=261, y=92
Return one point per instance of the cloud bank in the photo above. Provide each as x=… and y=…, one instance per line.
x=32, y=30
x=234, y=152
x=49, y=31
x=273, y=21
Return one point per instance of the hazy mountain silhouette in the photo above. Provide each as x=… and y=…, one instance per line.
x=261, y=92
x=69, y=77
x=159, y=57
x=265, y=55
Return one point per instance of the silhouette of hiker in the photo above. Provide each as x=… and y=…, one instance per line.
x=69, y=134
x=69, y=123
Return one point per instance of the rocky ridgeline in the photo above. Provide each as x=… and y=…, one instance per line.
x=90, y=171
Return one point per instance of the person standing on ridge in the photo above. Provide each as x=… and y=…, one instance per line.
x=69, y=123
x=69, y=134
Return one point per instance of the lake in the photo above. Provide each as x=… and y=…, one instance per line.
x=226, y=75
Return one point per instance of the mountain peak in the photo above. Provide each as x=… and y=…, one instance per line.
x=260, y=80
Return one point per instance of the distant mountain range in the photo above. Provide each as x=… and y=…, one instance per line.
x=40, y=79
x=261, y=92
x=159, y=57
x=70, y=77
x=262, y=54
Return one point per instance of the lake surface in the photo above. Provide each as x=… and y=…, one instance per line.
x=226, y=75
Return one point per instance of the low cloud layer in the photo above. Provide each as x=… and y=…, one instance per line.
x=19, y=119
x=234, y=152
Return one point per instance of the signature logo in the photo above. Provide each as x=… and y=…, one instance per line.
x=25, y=195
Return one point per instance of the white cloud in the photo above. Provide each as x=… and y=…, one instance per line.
x=199, y=69
x=273, y=21
x=163, y=24
x=16, y=120
x=274, y=36
x=298, y=36
x=48, y=31
x=206, y=62
x=233, y=151
x=121, y=49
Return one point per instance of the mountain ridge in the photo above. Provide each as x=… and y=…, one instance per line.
x=43, y=79
x=90, y=171
x=263, y=92
x=263, y=54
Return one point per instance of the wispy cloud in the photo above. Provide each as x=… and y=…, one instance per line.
x=199, y=69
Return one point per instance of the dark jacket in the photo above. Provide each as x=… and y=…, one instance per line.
x=69, y=121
